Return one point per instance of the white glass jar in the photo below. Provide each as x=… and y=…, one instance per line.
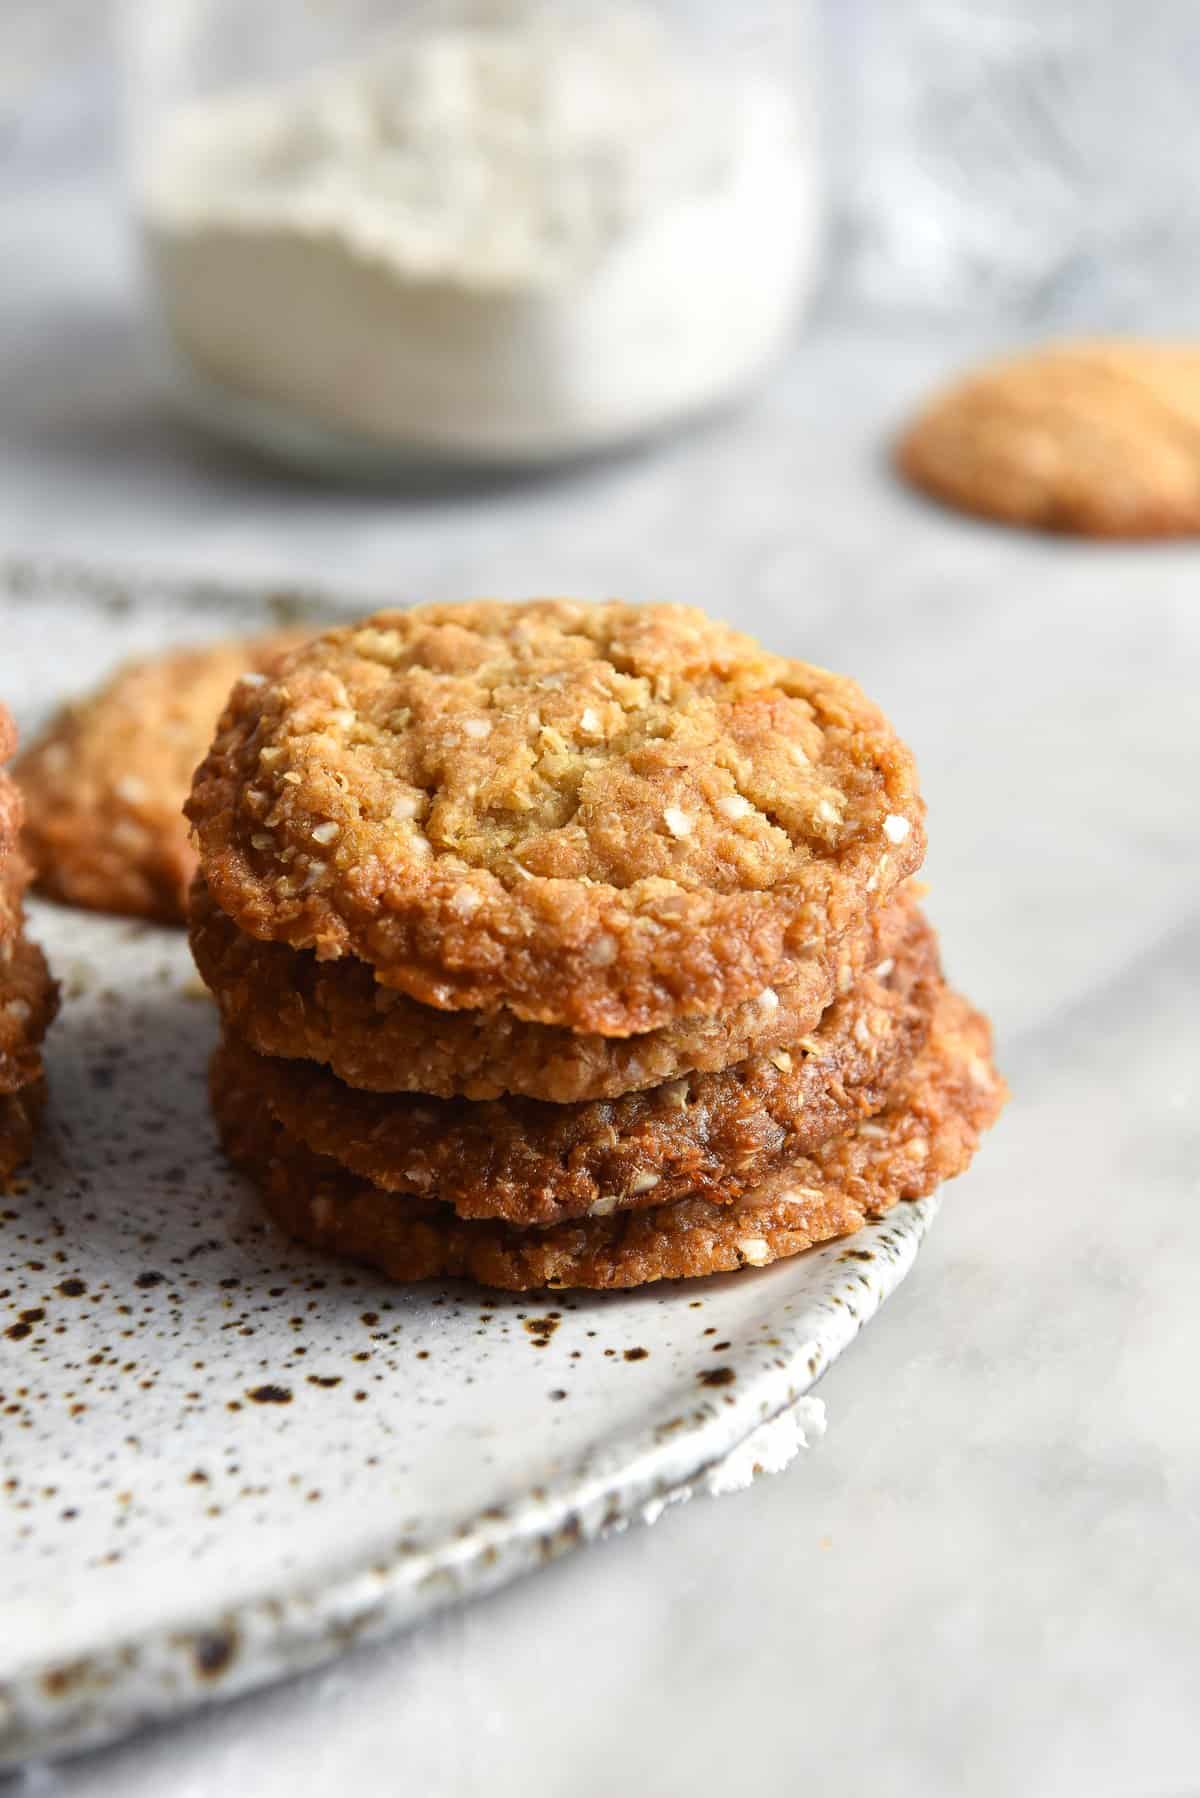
x=505, y=232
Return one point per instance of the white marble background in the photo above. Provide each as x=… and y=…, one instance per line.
x=986, y=1579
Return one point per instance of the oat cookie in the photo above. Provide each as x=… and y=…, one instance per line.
x=604, y=817
x=12, y=813
x=927, y=1133
x=713, y=1136
x=19, y=1116
x=106, y=780
x=284, y=1002
x=28, y=995
x=28, y=1007
x=1097, y=438
x=14, y=880
x=8, y=735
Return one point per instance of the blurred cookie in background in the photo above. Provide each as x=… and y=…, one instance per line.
x=1101, y=439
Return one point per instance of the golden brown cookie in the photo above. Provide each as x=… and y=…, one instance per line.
x=12, y=813
x=14, y=880
x=1097, y=438
x=20, y=1113
x=28, y=1007
x=927, y=1133
x=284, y=1002
x=28, y=996
x=106, y=780
x=604, y=817
x=8, y=735
x=712, y=1136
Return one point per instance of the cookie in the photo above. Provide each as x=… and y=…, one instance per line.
x=600, y=817
x=20, y=1113
x=1102, y=439
x=927, y=1133
x=14, y=880
x=28, y=1007
x=284, y=1002
x=28, y=994
x=12, y=814
x=106, y=781
x=713, y=1136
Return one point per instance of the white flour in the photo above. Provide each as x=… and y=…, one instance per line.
x=516, y=241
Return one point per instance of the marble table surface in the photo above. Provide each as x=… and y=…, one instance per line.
x=986, y=1577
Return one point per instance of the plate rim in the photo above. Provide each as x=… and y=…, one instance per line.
x=53, y=1707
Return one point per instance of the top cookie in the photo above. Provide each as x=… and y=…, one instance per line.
x=1102, y=439
x=107, y=779
x=599, y=816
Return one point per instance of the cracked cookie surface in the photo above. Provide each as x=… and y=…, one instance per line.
x=603, y=817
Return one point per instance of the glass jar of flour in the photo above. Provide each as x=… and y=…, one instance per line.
x=504, y=232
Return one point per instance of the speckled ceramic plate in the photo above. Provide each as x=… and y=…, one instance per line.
x=222, y=1460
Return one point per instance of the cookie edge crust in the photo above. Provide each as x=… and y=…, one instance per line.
x=931, y=1131
x=534, y=1164
x=286, y=1004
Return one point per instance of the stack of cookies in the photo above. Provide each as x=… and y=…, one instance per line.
x=28, y=996
x=562, y=945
